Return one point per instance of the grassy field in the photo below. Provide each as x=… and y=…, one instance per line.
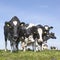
x=30, y=55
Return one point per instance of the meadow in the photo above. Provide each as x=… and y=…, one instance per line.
x=30, y=55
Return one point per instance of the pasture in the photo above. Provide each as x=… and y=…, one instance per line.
x=30, y=55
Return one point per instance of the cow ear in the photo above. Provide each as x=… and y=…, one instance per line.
x=51, y=27
x=7, y=23
x=21, y=24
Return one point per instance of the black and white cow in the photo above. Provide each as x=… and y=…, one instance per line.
x=32, y=34
x=26, y=36
x=11, y=33
x=46, y=35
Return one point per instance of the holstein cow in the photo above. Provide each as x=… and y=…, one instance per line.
x=46, y=35
x=26, y=35
x=33, y=33
x=11, y=33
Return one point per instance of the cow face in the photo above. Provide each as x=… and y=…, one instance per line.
x=46, y=34
x=49, y=36
x=15, y=30
x=52, y=35
x=15, y=24
x=46, y=29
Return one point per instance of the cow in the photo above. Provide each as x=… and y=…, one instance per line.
x=26, y=37
x=46, y=35
x=31, y=35
x=11, y=33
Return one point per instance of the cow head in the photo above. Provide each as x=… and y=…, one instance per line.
x=52, y=35
x=15, y=24
x=47, y=29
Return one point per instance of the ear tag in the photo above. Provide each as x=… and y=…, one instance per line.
x=44, y=32
x=7, y=24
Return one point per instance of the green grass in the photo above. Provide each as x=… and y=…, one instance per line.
x=30, y=55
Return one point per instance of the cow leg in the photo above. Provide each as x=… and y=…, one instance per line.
x=14, y=47
x=5, y=44
x=11, y=46
x=17, y=46
x=41, y=48
x=40, y=45
x=34, y=46
x=24, y=46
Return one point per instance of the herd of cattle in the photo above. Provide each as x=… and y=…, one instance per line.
x=16, y=31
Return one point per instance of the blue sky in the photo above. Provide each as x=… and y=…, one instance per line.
x=32, y=11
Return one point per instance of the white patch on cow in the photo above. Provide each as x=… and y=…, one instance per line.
x=24, y=46
x=46, y=27
x=40, y=35
x=44, y=46
x=15, y=23
x=31, y=38
x=26, y=40
x=30, y=25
